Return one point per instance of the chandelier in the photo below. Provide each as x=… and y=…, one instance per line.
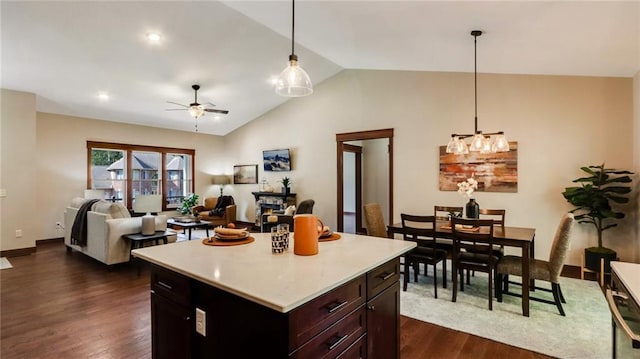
x=480, y=142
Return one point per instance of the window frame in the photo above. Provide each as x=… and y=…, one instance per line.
x=128, y=149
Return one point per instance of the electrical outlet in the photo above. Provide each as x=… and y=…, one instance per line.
x=18, y=233
x=201, y=322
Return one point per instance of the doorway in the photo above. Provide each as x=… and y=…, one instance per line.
x=352, y=188
x=346, y=144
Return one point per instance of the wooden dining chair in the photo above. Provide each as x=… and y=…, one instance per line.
x=497, y=215
x=444, y=213
x=473, y=250
x=548, y=271
x=374, y=220
x=421, y=229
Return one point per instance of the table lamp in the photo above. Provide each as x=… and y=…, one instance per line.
x=221, y=180
x=148, y=204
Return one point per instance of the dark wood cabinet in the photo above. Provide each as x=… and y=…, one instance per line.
x=358, y=319
x=171, y=329
x=383, y=324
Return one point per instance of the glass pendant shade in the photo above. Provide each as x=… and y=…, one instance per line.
x=452, y=145
x=477, y=143
x=293, y=80
x=196, y=111
x=501, y=144
x=486, y=145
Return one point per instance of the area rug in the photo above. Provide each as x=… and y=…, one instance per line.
x=4, y=263
x=585, y=332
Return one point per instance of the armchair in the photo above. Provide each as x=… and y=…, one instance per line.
x=211, y=210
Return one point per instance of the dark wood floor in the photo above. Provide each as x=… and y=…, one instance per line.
x=59, y=305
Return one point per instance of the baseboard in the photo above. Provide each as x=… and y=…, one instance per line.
x=18, y=252
x=49, y=240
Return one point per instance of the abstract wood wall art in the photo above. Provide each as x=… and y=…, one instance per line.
x=495, y=172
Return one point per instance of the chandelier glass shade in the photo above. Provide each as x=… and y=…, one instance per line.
x=293, y=80
x=480, y=142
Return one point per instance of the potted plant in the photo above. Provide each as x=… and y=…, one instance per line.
x=286, y=182
x=593, y=200
x=188, y=202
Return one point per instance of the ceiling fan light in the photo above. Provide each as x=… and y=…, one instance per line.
x=196, y=111
x=293, y=81
x=501, y=144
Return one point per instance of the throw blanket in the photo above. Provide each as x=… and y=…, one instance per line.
x=221, y=205
x=79, y=228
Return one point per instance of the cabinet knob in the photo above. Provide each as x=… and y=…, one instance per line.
x=371, y=307
x=187, y=318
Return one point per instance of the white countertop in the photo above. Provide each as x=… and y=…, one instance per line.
x=279, y=281
x=629, y=274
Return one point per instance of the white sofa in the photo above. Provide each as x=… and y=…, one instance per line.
x=106, y=224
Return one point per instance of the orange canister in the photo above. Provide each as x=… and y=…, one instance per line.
x=305, y=234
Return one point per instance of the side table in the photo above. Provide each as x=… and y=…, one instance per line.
x=137, y=240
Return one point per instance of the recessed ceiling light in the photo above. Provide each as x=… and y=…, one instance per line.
x=154, y=37
x=103, y=96
x=217, y=118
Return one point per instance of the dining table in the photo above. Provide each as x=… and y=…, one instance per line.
x=518, y=237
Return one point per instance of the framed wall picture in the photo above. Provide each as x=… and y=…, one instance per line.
x=245, y=174
x=495, y=172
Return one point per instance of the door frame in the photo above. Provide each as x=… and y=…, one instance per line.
x=357, y=150
x=341, y=138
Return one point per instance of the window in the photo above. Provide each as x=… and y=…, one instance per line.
x=124, y=171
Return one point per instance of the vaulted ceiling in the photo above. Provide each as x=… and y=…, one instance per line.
x=68, y=52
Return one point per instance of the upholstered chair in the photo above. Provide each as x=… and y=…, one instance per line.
x=374, y=220
x=548, y=271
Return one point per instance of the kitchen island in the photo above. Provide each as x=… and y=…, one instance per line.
x=242, y=301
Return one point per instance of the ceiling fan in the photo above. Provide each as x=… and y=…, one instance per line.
x=196, y=109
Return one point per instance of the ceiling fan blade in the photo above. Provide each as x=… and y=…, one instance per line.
x=179, y=104
x=175, y=109
x=224, y=112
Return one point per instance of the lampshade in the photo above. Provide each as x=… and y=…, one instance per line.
x=94, y=194
x=293, y=80
x=147, y=203
x=220, y=179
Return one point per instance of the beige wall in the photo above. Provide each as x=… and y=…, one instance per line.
x=18, y=170
x=560, y=122
x=62, y=157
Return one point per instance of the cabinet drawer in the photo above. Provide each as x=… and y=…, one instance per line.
x=310, y=319
x=171, y=285
x=357, y=350
x=382, y=277
x=337, y=338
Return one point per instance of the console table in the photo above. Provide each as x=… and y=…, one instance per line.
x=266, y=202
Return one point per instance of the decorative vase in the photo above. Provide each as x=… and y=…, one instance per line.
x=286, y=190
x=472, y=209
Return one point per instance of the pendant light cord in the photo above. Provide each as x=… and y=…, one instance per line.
x=293, y=23
x=475, y=80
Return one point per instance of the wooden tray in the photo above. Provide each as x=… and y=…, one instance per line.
x=333, y=237
x=216, y=242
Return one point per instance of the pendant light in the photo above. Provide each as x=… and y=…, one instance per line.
x=293, y=80
x=480, y=142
